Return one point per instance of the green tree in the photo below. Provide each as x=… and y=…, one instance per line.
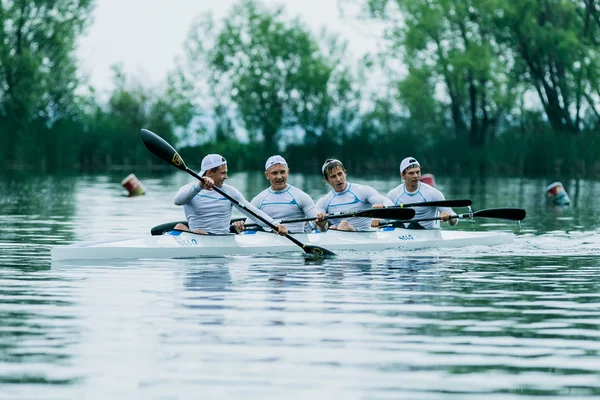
x=37, y=71
x=447, y=44
x=112, y=133
x=270, y=73
x=555, y=45
x=490, y=54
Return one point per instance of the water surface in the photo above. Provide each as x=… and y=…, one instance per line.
x=514, y=321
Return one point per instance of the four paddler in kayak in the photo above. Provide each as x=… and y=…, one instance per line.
x=208, y=212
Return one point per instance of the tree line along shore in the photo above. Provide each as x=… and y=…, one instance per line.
x=497, y=87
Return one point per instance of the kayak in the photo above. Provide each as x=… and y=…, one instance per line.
x=177, y=244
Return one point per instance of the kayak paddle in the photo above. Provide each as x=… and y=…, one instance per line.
x=514, y=214
x=439, y=203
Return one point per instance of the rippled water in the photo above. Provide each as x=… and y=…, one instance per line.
x=519, y=320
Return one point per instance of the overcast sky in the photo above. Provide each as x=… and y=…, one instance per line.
x=146, y=36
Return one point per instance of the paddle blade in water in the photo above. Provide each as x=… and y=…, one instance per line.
x=318, y=251
x=515, y=214
x=163, y=150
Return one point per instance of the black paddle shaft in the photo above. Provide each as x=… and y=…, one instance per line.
x=438, y=203
x=514, y=214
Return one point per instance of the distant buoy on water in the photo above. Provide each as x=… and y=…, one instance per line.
x=133, y=186
x=557, y=196
x=428, y=179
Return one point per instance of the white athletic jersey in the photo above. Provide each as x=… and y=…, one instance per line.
x=209, y=211
x=290, y=203
x=355, y=197
x=423, y=193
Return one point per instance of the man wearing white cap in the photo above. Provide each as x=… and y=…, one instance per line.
x=206, y=210
x=415, y=191
x=347, y=197
x=284, y=201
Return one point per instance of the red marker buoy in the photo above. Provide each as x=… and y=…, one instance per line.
x=428, y=179
x=133, y=185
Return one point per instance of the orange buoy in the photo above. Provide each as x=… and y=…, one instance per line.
x=133, y=185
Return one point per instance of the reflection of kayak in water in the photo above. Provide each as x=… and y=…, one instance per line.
x=177, y=244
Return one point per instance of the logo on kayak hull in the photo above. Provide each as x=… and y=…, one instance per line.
x=186, y=242
x=406, y=237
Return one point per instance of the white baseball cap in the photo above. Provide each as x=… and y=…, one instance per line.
x=274, y=160
x=407, y=162
x=211, y=161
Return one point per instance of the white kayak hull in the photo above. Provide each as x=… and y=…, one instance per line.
x=175, y=244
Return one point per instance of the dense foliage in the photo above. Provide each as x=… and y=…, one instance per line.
x=495, y=85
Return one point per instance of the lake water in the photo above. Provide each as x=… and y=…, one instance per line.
x=514, y=321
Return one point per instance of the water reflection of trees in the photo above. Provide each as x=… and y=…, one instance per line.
x=207, y=288
x=37, y=328
x=36, y=212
